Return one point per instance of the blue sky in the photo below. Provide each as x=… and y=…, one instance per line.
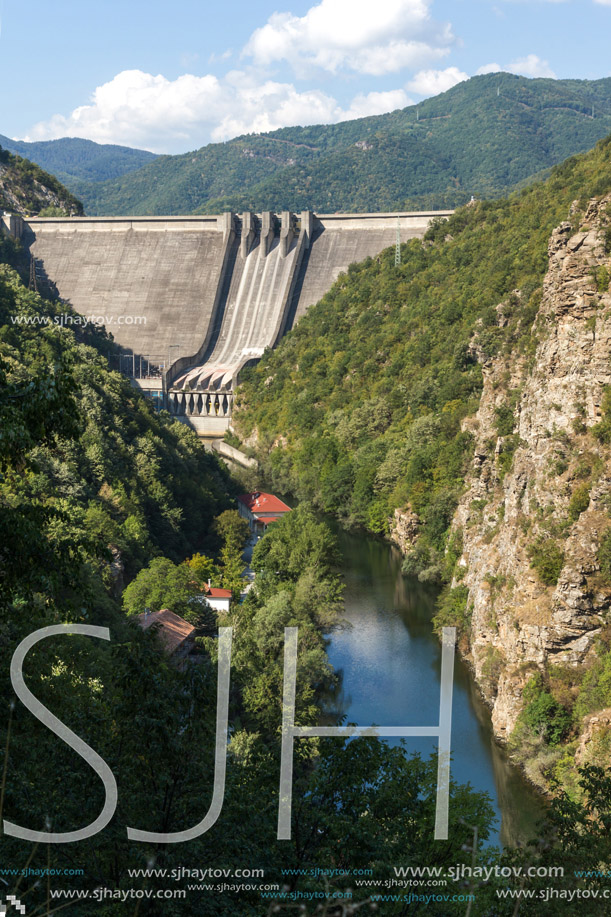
x=171, y=77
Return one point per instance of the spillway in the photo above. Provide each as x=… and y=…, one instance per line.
x=254, y=312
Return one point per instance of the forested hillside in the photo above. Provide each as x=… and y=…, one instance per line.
x=74, y=161
x=359, y=408
x=483, y=137
x=95, y=487
x=371, y=408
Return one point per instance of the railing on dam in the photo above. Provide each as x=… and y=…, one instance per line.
x=139, y=366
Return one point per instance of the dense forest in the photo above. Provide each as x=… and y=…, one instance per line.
x=359, y=409
x=93, y=484
x=483, y=137
x=74, y=161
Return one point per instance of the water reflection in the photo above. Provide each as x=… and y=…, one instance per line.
x=390, y=662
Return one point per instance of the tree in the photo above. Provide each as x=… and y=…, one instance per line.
x=296, y=542
x=233, y=529
x=163, y=585
x=576, y=835
x=235, y=532
x=204, y=570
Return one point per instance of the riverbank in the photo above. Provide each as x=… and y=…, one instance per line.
x=390, y=664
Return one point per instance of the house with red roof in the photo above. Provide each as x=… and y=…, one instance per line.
x=261, y=510
x=176, y=636
x=217, y=598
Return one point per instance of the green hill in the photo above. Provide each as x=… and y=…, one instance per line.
x=483, y=137
x=77, y=162
x=94, y=485
x=369, y=390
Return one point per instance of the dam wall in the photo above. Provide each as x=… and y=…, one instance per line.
x=153, y=282
x=343, y=239
x=191, y=300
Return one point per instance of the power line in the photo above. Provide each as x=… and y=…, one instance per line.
x=398, y=244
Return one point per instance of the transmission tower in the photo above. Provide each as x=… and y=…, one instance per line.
x=33, y=284
x=398, y=244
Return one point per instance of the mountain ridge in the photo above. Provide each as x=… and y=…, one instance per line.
x=483, y=137
x=75, y=161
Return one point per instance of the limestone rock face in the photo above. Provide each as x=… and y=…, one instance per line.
x=597, y=728
x=515, y=616
x=21, y=197
x=404, y=529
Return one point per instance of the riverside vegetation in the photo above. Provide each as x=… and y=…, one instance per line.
x=366, y=409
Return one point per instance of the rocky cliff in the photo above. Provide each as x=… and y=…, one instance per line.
x=26, y=189
x=539, y=490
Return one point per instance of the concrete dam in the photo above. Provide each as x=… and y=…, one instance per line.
x=191, y=300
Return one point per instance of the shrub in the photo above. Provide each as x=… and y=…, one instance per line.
x=602, y=430
x=595, y=691
x=492, y=667
x=542, y=714
x=505, y=457
x=504, y=420
x=547, y=558
x=604, y=554
x=579, y=502
x=601, y=277
x=418, y=559
x=453, y=609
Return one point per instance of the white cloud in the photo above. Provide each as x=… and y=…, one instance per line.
x=334, y=36
x=603, y=2
x=376, y=103
x=337, y=35
x=432, y=82
x=488, y=68
x=253, y=107
x=531, y=65
x=152, y=112
x=139, y=109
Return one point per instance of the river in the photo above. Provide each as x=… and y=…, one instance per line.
x=389, y=660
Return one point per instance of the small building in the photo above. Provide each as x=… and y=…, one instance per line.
x=217, y=598
x=261, y=510
x=176, y=635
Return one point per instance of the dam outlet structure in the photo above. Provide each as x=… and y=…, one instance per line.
x=191, y=300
